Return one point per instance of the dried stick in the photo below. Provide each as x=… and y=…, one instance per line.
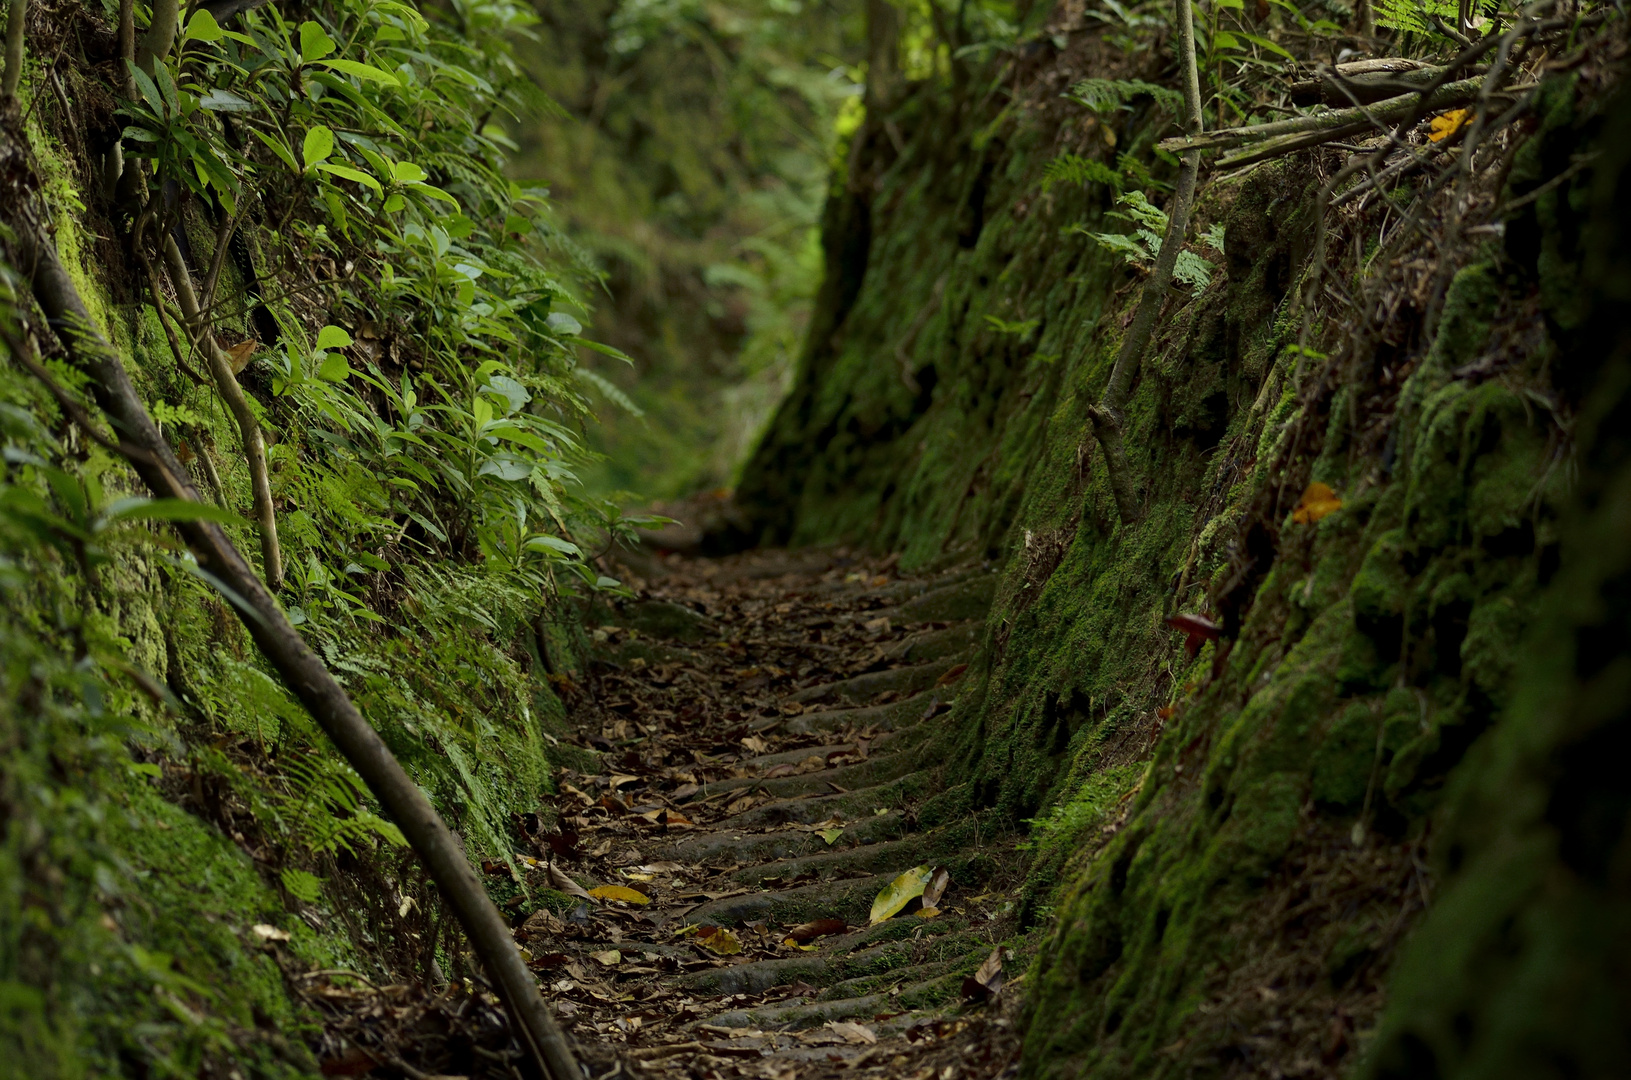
x=249, y=428
x=14, y=50
x=300, y=668
x=1330, y=125
x=1106, y=416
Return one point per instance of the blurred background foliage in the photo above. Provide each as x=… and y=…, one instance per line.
x=689, y=156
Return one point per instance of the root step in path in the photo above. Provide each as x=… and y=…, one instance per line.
x=764, y=729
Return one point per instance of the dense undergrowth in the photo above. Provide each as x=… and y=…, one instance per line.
x=1232, y=843
x=328, y=189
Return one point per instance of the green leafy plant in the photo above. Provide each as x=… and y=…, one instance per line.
x=1072, y=169
x=1108, y=95
x=1139, y=247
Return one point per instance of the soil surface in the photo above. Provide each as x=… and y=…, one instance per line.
x=765, y=729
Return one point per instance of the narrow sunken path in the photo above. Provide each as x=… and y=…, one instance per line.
x=765, y=733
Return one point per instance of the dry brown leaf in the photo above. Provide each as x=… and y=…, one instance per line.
x=818, y=928
x=936, y=888
x=559, y=881
x=852, y=1032
x=239, y=355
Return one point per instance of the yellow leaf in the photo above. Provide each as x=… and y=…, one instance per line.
x=721, y=941
x=1446, y=124
x=611, y=957
x=830, y=835
x=620, y=892
x=900, y=892
x=1317, y=502
x=928, y=913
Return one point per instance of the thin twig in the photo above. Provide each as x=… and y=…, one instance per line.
x=1106, y=416
x=254, y=443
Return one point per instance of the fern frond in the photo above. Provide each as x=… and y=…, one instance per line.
x=1104, y=95
x=1414, y=15
x=1072, y=169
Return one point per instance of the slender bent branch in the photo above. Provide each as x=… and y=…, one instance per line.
x=1330, y=124
x=300, y=668
x=1106, y=416
x=14, y=50
x=249, y=427
x=161, y=34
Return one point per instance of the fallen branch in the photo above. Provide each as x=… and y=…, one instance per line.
x=1106, y=416
x=287, y=652
x=249, y=428
x=1334, y=124
x=1291, y=144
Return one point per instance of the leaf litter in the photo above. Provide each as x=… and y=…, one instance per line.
x=616, y=874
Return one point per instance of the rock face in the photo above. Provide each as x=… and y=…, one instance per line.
x=1232, y=845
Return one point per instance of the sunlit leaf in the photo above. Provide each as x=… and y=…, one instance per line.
x=363, y=71
x=202, y=27
x=718, y=939
x=1317, y=503
x=620, y=892
x=318, y=146
x=314, y=42
x=900, y=892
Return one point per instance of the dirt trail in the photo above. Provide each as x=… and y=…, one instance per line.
x=766, y=731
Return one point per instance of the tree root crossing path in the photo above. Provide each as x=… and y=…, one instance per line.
x=750, y=891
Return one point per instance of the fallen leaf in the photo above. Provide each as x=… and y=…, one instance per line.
x=755, y=745
x=936, y=888
x=987, y=981
x=268, y=932
x=564, y=843
x=1318, y=502
x=876, y=626
x=780, y=770
x=819, y=928
x=1446, y=124
x=239, y=355
x=561, y=882
x=610, y=958
x=1197, y=628
x=900, y=892
x=620, y=892
x=830, y=835
x=685, y=791
x=718, y=939
x=352, y=1062
x=928, y=913
x=637, y=875
x=853, y=1032
x=952, y=674
x=548, y=960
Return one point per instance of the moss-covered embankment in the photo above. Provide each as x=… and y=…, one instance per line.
x=1237, y=841
x=180, y=846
